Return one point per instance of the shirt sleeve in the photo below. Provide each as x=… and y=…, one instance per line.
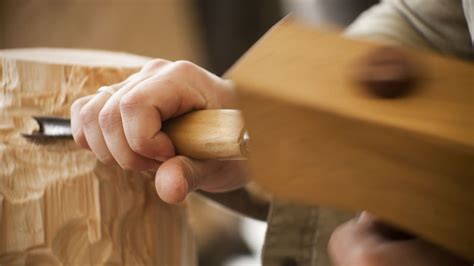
x=435, y=25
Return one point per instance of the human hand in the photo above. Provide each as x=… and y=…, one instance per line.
x=124, y=128
x=364, y=241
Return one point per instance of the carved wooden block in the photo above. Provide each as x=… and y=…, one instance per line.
x=58, y=205
x=319, y=137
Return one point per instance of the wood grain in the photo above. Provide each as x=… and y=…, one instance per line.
x=209, y=134
x=319, y=137
x=58, y=205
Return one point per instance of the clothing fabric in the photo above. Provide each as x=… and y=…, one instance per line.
x=442, y=25
x=298, y=235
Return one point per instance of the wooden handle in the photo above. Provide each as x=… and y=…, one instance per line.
x=209, y=134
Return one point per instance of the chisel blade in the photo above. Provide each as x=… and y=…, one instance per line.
x=51, y=127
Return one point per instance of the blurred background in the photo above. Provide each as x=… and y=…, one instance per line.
x=210, y=33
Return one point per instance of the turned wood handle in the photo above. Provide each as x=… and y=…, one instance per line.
x=209, y=134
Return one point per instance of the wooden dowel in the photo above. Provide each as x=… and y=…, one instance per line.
x=209, y=134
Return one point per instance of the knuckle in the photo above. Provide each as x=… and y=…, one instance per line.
x=184, y=66
x=153, y=65
x=132, y=77
x=108, y=117
x=79, y=102
x=139, y=145
x=75, y=106
x=87, y=115
x=131, y=99
x=168, y=83
x=128, y=79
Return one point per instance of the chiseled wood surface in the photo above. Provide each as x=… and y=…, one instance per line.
x=319, y=137
x=58, y=205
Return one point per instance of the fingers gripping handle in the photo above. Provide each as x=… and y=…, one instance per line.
x=209, y=134
x=205, y=134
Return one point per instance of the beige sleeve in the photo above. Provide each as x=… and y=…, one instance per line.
x=436, y=25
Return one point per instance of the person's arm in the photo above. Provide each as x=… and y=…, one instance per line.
x=438, y=25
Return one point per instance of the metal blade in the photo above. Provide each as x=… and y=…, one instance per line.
x=51, y=128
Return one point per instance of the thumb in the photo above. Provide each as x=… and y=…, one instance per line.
x=180, y=175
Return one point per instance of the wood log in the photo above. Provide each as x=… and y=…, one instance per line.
x=319, y=137
x=58, y=204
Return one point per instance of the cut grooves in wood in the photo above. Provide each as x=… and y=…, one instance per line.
x=58, y=205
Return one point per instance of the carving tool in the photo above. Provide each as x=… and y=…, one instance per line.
x=205, y=134
x=394, y=142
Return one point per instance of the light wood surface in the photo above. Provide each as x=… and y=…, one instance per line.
x=319, y=137
x=166, y=28
x=209, y=134
x=58, y=205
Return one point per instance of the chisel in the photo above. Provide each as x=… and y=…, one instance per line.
x=204, y=134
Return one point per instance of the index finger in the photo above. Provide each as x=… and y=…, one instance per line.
x=145, y=107
x=76, y=126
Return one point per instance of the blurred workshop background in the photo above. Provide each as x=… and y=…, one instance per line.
x=211, y=33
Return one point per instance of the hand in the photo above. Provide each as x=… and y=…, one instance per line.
x=124, y=128
x=360, y=242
